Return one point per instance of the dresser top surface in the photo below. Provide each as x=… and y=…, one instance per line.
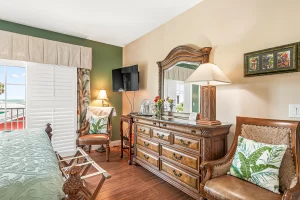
x=183, y=122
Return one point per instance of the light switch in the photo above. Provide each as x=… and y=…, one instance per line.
x=294, y=110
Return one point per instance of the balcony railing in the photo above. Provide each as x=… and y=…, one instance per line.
x=12, y=119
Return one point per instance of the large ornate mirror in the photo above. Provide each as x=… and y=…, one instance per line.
x=180, y=63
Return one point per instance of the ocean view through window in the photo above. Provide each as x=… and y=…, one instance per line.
x=12, y=97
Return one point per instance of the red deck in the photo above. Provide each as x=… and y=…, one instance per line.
x=14, y=125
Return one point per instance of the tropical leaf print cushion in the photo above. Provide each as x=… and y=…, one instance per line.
x=258, y=163
x=98, y=124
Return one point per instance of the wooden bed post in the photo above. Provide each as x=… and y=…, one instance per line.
x=49, y=130
x=73, y=186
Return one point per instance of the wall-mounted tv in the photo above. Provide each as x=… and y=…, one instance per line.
x=125, y=79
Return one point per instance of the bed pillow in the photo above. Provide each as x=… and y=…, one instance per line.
x=258, y=163
x=98, y=124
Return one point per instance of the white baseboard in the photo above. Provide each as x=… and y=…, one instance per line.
x=115, y=143
x=112, y=144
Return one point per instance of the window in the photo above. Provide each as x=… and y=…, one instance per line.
x=12, y=101
x=49, y=94
x=180, y=92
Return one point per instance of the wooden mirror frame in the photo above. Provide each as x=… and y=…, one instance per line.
x=180, y=53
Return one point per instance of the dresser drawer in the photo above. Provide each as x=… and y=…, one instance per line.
x=185, y=177
x=147, y=157
x=148, y=122
x=143, y=129
x=181, y=128
x=187, y=160
x=147, y=144
x=162, y=135
x=187, y=142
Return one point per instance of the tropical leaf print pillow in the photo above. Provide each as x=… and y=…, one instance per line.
x=258, y=163
x=98, y=124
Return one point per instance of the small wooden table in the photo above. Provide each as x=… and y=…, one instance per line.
x=127, y=148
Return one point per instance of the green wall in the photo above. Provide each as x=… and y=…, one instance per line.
x=105, y=58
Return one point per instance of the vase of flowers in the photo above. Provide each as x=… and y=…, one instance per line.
x=1, y=88
x=171, y=103
x=159, y=105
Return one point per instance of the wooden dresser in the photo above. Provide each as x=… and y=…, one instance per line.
x=173, y=149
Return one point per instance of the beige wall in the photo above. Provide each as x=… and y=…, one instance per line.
x=231, y=28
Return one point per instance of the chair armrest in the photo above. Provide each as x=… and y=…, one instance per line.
x=215, y=168
x=212, y=167
x=293, y=193
x=81, y=131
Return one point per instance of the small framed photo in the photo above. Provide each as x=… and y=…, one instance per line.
x=281, y=59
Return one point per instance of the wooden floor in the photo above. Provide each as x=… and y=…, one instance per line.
x=131, y=182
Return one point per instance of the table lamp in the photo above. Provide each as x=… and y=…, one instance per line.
x=208, y=76
x=102, y=96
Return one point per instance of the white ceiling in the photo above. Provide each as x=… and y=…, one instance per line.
x=116, y=22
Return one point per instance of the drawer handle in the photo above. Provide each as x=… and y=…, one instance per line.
x=184, y=143
x=164, y=125
x=160, y=136
x=146, y=157
x=177, y=175
x=142, y=130
x=146, y=144
x=154, y=123
x=193, y=131
x=177, y=157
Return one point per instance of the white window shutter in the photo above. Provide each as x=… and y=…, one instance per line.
x=52, y=98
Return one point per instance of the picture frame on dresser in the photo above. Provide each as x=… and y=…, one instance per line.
x=281, y=59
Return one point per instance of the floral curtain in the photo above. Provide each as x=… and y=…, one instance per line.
x=83, y=95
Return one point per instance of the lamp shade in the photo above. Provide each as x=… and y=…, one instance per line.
x=102, y=95
x=208, y=73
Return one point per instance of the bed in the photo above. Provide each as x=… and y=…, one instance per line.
x=29, y=168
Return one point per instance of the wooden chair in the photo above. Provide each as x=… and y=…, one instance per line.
x=218, y=185
x=84, y=138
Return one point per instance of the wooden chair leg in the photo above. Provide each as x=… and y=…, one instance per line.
x=107, y=152
x=90, y=147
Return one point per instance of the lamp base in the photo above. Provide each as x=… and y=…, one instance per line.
x=209, y=123
x=101, y=149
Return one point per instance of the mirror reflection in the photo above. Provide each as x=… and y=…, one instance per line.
x=185, y=96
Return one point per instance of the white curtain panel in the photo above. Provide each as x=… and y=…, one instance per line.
x=26, y=48
x=178, y=73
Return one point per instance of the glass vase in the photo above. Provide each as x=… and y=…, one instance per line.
x=171, y=107
x=159, y=111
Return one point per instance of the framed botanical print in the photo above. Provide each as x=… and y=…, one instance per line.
x=275, y=60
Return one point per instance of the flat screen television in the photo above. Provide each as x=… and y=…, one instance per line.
x=125, y=79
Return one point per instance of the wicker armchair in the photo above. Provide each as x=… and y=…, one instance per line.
x=84, y=138
x=218, y=185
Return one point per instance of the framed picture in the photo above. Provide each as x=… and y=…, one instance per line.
x=275, y=60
